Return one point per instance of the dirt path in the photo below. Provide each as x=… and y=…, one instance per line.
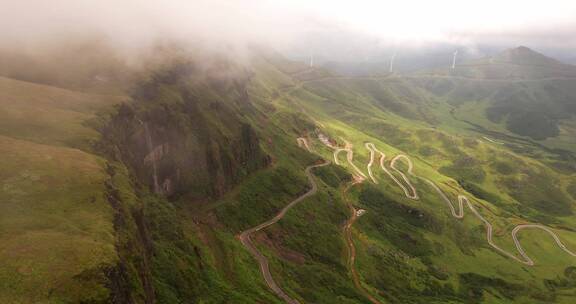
x=347, y=229
x=352, y=248
x=245, y=236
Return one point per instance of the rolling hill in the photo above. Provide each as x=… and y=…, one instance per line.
x=518, y=92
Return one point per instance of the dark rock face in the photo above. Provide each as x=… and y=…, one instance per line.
x=185, y=133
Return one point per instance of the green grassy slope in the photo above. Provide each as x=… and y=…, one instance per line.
x=57, y=230
x=512, y=185
x=50, y=115
x=517, y=93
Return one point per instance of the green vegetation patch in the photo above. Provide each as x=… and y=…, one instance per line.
x=49, y=115
x=333, y=175
x=473, y=286
x=465, y=168
x=572, y=190
x=402, y=222
x=312, y=231
x=57, y=235
x=535, y=189
x=260, y=197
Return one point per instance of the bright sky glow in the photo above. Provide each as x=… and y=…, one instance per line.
x=137, y=22
x=437, y=19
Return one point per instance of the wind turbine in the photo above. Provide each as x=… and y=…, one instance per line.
x=392, y=62
x=312, y=60
x=454, y=59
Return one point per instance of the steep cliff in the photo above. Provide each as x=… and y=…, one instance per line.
x=185, y=136
x=186, y=131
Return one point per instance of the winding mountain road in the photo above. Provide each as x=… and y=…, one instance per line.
x=246, y=236
x=411, y=192
x=349, y=158
x=462, y=202
x=459, y=214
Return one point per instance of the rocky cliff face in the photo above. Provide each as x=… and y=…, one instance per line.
x=185, y=132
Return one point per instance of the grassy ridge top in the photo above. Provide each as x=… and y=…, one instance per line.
x=57, y=229
x=56, y=232
x=49, y=115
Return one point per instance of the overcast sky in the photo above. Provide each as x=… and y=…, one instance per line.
x=443, y=19
x=132, y=22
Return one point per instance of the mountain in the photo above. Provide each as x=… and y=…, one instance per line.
x=201, y=178
x=524, y=56
x=518, y=92
x=406, y=60
x=513, y=64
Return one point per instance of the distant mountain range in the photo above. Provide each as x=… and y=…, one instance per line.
x=410, y=60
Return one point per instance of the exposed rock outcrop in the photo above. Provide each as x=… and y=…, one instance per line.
x=184, y=134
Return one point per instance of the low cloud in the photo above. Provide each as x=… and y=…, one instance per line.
x=135, y=24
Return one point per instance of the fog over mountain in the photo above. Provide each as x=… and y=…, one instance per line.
x=356, y=29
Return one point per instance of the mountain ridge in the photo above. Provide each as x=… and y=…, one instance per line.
x=523, y=55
